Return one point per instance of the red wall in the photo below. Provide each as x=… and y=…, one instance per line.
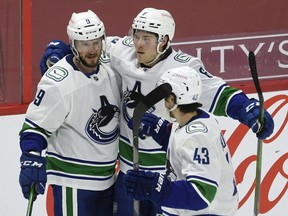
x=10, y=51
x=195, y=20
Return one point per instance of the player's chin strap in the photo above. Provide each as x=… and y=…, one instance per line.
x=76, y=53
x=159, y=53
x=170, y=116
x=173, y=108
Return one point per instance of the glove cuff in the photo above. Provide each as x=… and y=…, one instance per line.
x=35, y=153
x=160, y=188
x=31, y=156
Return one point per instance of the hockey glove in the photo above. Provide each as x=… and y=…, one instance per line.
x=153, y=126
x=249, y=116
x=55, y=51
x=33, y=171
x=141, y=185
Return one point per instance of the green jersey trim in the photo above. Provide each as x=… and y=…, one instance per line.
x=147, y=158
x=207, y=190
x=31, y=128
x=223, y=101
x=69, y=200
x=75, y=168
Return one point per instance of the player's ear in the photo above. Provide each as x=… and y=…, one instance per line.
x=164, y=42
x=170, y=101
x=165, y=39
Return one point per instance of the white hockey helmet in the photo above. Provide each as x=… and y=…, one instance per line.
x=85, y=26
x=186, y=84
x=156, y=21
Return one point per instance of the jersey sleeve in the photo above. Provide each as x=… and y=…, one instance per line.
x=45, y=114
x=118, y=51
x=110, y=43
x=50, y=106
x=199, y=166
x=217, y=96
x=183, y=195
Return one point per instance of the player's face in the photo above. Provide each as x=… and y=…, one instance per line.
x=169, y=103
x=145, y=46
x=89, y=52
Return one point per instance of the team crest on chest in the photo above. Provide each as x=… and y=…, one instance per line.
x=130, y=99
x=103, y=125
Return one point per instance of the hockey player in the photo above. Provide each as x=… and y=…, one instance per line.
x=75, y=118
x=141, y=58
x=200, y=178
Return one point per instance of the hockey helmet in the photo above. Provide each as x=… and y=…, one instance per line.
x=85, y=26
x=186, y=84
x=156, y=21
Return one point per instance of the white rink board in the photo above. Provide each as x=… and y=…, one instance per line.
x=12, y=202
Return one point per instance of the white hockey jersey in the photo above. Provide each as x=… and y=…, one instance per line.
x=79, y=116
x=138, y=81
x=197, y=152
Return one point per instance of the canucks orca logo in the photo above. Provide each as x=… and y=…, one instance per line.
x=130, y=99
x=103, y=125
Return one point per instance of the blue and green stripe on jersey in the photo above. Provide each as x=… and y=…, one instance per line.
x=222, y=99
x=79, y=169
x=152, y=159
x=30, y=126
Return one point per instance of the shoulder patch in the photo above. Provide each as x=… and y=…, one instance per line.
x=57, y=73
x=105, y=58
x=128, y=41
x=182, y=57
x=194, y=127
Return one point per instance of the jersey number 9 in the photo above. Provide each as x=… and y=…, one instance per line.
x=39, y=97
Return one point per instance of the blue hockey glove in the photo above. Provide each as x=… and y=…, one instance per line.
x=153, y=126
x=55, y=51
x=141, y=185
x=249, y=116
x=33, y=171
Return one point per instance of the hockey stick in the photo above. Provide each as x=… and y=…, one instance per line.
x=142, y=106
x=253, y=68
x=31, y=201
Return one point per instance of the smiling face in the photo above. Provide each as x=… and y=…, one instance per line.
x=89, y=52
